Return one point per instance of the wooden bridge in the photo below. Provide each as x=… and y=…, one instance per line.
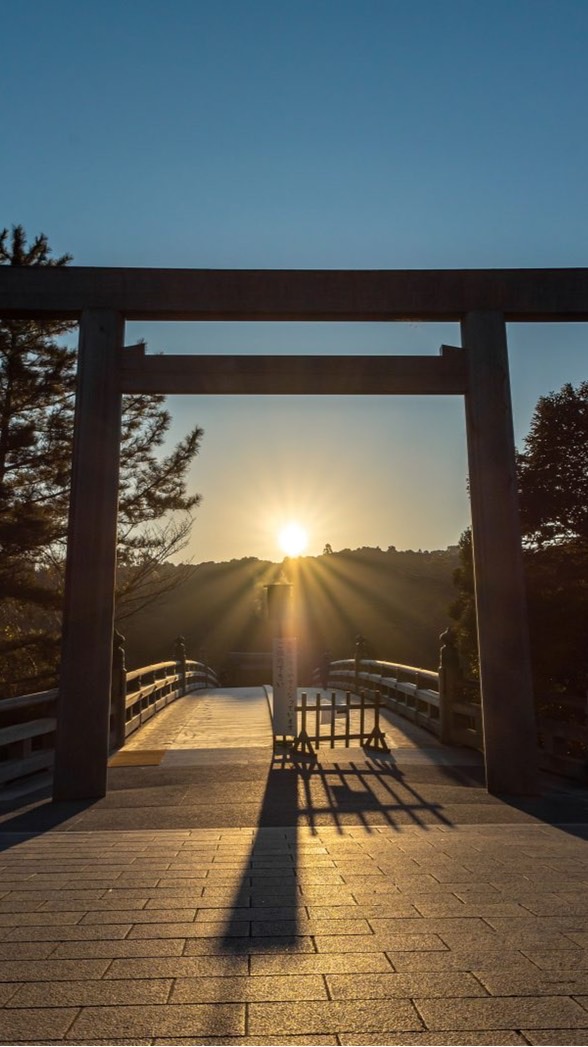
x=433, y=701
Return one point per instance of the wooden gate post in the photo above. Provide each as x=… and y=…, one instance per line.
x=81, y=750
x=510, y=735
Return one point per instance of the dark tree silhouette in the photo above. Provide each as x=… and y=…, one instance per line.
x=553, y=469
x=37, y=388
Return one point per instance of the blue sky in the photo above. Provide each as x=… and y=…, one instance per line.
x=310, y=134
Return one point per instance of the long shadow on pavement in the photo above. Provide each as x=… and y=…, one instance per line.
x=366, y=791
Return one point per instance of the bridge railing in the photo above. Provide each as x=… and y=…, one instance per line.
x=430, y=699
x=27, y=734
x=150, y=689
x=28, y=722
x=439, y=702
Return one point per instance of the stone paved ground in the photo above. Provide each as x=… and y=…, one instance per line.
x=395, y=903
x=358, y=935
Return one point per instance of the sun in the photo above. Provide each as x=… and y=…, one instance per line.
x=293, y=539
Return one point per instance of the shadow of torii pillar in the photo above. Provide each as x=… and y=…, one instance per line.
x=284, y=659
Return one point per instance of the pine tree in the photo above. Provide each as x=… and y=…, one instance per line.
x=553, y=469
x=37, y=388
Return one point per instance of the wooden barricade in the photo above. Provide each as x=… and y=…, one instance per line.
x=312, y=720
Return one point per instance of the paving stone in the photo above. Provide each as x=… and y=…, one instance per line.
x=7, y=992
x=92, y=993
x=315, y=894
x=526, y=941
x=49, y=1024
x=177, y=882
x=51, y=970
x=383, y=986
x=61, y=895
x=565, y=924
x=102, y=906
x=523, y=1012
x=240, y=946
x=136, y=916
x=354, y=912
x=10, y=905
x=188, y=1020
x=452, y=906
x=90, y=1043
x=323, y=963
x=33, y=919
x=553, y=1037
x=474, y=959
x=257, y=1041
x=332, y=1016
x=378, y=942
x=231, y=989
x=67, y=934
x=114, y=947
x=446, y=1038
x=178, y=966
x=434, y=925
x=204, y=929
x=580, y=939
x=217, y=899
x=534, y=983
x=315, y=927
x=25, y=950
x=296, y=913
x=173, y=900
x=560, y=960
x=119, y=883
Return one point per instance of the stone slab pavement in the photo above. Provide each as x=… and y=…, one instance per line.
x=361, y=901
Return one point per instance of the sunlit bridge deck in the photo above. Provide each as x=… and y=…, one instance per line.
x=221, y=894
x=229, y=730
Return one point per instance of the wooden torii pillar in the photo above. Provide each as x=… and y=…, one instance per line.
x=83, y=710
x=508, y=714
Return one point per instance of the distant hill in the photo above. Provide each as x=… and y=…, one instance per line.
x=398, y=600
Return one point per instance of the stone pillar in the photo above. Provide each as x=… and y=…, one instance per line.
x=81, y=750
x=510, y=735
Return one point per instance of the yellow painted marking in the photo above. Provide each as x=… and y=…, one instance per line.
x=137, y=758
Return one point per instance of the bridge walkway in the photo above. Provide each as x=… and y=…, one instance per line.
x=239, y=900
x=223, y=720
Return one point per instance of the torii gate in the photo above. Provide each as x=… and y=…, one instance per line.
x=101, y=299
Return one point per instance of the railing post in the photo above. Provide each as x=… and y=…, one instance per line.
x=449, y=685
x=118, y=691
x=180, y=656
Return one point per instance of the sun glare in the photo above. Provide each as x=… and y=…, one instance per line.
x=293, y=539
